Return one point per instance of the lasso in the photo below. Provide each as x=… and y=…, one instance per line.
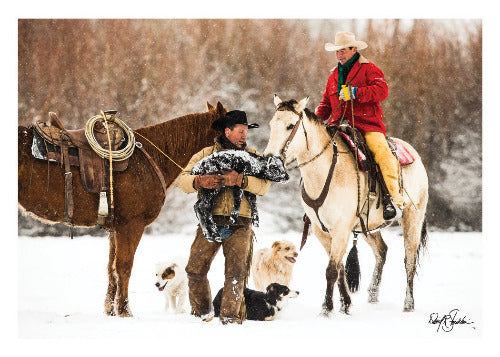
x=117, y=155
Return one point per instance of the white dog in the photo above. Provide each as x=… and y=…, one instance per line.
x=274, y=265
x=171, y=279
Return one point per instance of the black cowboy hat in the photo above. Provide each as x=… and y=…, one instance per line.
x=232, y=117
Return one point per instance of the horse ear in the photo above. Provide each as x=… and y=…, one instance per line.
x=277, y=100
x=302, y=104
x=220, y=109
x=209, y=106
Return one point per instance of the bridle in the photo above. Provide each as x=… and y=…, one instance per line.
x=283, y=151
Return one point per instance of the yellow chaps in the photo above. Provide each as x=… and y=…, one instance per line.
x=389, y=165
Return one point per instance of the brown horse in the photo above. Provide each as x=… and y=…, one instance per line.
x=138, y=193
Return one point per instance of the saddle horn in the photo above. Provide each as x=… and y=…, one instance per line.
x=54, y=121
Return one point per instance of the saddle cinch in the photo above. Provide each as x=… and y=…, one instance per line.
x=52, y=142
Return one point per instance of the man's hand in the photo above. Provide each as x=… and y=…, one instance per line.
x=346, y=95
x=232, y=178
x=208, y=181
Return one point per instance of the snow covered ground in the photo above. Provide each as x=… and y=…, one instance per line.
x=62, y=282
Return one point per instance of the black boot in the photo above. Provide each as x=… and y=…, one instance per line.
x=390, y=210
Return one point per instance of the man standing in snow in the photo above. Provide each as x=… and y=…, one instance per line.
x=237, y=238
x=367, y=89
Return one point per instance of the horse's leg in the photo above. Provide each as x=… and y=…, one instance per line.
x=326, y=241
x=414, y=234
x=128, y=236
x=109, y=302
x=335, y=249
x=345, y=298
x=331, y=277
x=379, y=249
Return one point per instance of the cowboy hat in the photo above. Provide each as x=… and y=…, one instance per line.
x=343, y=40
x=231, y=118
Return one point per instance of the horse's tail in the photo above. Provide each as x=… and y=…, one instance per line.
x=352, y=270
x=423, y=239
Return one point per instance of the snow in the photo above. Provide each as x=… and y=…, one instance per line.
x=62, y=283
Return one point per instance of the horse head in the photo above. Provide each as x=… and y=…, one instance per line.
x=284, y=135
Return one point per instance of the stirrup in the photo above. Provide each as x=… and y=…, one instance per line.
x=391, y=211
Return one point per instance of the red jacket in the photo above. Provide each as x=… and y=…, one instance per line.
x=372, y=89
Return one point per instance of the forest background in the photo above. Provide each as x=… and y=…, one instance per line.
x=155, y=70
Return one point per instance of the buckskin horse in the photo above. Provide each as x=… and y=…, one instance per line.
x=296, y=133
x=138, y=191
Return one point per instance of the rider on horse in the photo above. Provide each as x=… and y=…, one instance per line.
x=358, y=84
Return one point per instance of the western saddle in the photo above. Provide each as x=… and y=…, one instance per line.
x=71, y=148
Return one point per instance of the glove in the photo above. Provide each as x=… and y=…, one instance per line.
x=345, y=95
x=208, y=181
x=232, y=178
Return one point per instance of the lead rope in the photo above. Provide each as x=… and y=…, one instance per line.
x=157, y=148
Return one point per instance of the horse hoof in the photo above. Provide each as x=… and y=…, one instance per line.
x=326, y=313
x=373, y=295
x=126, y=314
x=124, y=311
x=109, y=308
x=345, y=310
x=409, y=305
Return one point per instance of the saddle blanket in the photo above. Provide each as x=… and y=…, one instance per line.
x=401, y=152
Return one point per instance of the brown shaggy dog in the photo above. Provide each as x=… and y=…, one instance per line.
x=274, y=265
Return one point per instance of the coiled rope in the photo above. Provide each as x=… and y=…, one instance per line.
x=116, y=155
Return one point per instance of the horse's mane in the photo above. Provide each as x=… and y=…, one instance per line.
x=290, y=106
x=313, y=117
x=179, y=138
x=287, y=105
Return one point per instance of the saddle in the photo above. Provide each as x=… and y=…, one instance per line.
x=365, y=157
x=356, y=143
x=52, y=142
x=55, y=140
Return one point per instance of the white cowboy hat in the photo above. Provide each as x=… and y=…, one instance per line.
x=343, y=40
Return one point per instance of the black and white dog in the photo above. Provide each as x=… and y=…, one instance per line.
x=269, y=168
x=262, y=306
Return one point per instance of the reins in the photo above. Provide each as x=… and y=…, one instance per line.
x=292, y=135
x=358, y=213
